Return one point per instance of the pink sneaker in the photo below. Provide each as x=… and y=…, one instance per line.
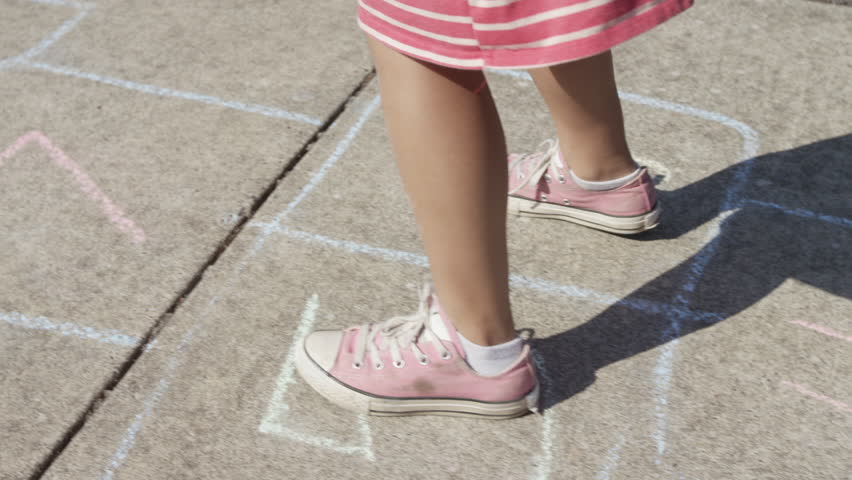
x=412, y=365
x=540, y=185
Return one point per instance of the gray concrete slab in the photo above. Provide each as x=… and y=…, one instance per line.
x=120, y=182
x=24, y=24
x=121, y=197
x=45, y=382
x=273, y=55
x=714, y=347
x=227, y=357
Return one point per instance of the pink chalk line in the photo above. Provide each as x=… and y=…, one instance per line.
x=87, y=185
x=823, y=330
x=804, y=391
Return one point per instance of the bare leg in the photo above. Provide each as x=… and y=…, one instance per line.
x=450, y=148
x=584, y=104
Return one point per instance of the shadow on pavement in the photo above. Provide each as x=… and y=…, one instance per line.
x=760, y=247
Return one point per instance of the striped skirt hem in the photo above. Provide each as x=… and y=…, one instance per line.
x=510, y=34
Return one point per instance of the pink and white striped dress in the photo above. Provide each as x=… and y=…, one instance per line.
x=475, y=34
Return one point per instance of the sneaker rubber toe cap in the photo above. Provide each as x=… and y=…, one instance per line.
x=322, y=347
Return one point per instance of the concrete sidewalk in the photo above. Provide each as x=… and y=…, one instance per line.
x=163, y=257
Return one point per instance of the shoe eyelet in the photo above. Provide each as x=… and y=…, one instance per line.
x=423, y=360
x=399, y=364
x=446, y=355
x=547, y=178
x=356, y=365
x=561, y=179
x=566, y=202
x=543, y=198
x=379, y=366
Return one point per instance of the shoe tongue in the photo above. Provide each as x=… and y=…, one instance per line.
x=443, y=327
x=438, y=325
x=559, y=160
x=438, y=322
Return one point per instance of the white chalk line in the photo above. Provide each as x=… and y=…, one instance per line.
x=151, y=401
x=176, y=358
x=110, y=336
x=273, y=421
x=169, y=92
x=341, y=148
x=25, y=59
x=801, y=212
x=277, y=404
x=732, y=201
x=613, y=456
x=662, y=372
x=544, y=460
x=83, y=9
x=516, y=280
x=320, y=174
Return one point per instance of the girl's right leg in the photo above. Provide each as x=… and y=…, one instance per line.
x=583, y=101
x=601, y=186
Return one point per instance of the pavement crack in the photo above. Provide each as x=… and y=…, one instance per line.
x=143, y=346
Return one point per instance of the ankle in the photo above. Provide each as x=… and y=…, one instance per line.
x=603, y=169
x=605, y=174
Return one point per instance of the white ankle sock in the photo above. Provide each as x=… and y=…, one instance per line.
x=607, y=184
x=493, y=359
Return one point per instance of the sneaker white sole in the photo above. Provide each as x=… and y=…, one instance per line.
x=362, y=402
x=600, y=221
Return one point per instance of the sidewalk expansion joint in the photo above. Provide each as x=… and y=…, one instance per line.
x=150, y=337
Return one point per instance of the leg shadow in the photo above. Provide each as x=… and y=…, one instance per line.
x=770, y=238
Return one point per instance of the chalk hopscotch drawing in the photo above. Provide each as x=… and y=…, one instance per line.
x=679, y=317
x=675, y=313
x=544, y=466
x=666, y=357
x=69, y=329
x=113, y=212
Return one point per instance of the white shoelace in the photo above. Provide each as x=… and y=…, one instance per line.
x=542, y=161
x=398, y=333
